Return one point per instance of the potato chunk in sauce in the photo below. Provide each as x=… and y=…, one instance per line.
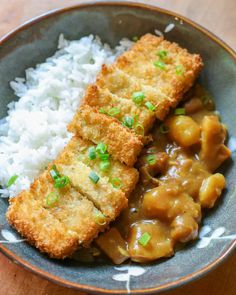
x=177, y=181
x=159, y=245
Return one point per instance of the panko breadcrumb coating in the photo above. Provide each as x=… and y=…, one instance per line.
x=123, y=144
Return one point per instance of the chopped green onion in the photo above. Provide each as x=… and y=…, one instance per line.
x=128, y=121
x=159, y=64
x=94, y=177
x=139, y=129
x=135, y=39
x=101, y=148
x=105, y=165
x=151, y=159
x=144, y=239
x=162, y=54
x=100, y=218
x=61, y=182
x=92, y=153
x=116, y=182
x=113, y=111
x=206, y=100
x=102, y=111
x=51, y=198
x=104, y=157
x=122, y=251
x=164, y=129
x=150, y=106
x=180, y=111
x=179, y=70
x=12, y=180
x=138, y=97
x=54, y=172
x=92, y=61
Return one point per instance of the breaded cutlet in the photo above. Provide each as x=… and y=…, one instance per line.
x=58, y=228
x=119, y=107
x=128, y=176
x=124, y=86
x=108, y=199
x=161, y=64
x=122, y=143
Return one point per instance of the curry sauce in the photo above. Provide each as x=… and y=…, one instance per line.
x=177, y=182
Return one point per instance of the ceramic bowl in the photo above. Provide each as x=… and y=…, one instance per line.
x=37, y=39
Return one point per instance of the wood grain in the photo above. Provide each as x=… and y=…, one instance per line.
x=219, y=16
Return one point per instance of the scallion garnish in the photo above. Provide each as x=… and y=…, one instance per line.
x=206, y=100
x=94, y=177
x=102, y=111
x=144, y=239
x=162, y=54
x=164, y=129
x=51, y=198
x=151, y=159
x=54, y=172
x=135, y=39
x=100, y=218
x=104, y=157
x=101, y=148
x=128, y=121
x=180, y=111
x=179, y=70
x=150, y=106
x=159, y=64
x=92, y=153
x=12, y=180
x=105, y=165
x=138, y=97
x=61, y=182
x=116, y=182
x=123, y=252
x=139, y=129
x=113, y=111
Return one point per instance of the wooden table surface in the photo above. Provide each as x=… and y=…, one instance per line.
x=219, y=16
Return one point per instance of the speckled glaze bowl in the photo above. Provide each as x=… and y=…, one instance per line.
x=36, y=40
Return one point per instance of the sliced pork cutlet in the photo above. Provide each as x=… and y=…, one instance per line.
x=122, y=143
x=119, y=174
x=96, y=186
x=56, y=221
x=125, y=86
x=120, y=107
x=162, y=65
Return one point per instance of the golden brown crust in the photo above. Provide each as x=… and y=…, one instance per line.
x=58, y=229
x=78, y=148
x=102, y=98
x=139, y=63
x=123, y=144
x=39, y=227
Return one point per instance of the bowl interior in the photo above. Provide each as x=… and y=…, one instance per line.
x=111, y=22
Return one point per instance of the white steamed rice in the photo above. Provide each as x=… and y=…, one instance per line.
x=34, y=132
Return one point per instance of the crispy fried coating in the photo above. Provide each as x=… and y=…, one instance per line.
x=79, y=147
x=123, y=85
x=123, y=144
x=172, y=73
x=105, y=197
x=40, y=227
x=58, y=228
x=102, y=98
